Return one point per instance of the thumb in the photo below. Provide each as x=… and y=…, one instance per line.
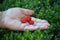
x=28, y=12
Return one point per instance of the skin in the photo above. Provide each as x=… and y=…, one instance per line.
x=10, y=19
x=12, y=15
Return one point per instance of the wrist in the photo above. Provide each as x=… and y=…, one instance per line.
x=1, y=23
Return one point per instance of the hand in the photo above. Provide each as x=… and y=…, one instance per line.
x=12, y=16
x=11, y=20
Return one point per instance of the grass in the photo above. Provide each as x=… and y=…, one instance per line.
x=44, y=9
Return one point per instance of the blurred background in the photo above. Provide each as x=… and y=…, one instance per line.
x=44, y=9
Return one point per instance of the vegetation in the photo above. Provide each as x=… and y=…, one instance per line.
x=45, y=9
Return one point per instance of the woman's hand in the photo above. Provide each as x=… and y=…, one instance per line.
x=11, y=20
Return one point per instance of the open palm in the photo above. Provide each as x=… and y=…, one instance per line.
x=12, y=16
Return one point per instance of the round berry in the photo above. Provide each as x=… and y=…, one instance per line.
x=23, y=20
x=28, y=18
x=31, y=22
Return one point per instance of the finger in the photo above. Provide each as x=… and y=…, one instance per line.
x=31, y=27
x=15, y=13
x=43, y=24
x=18, y=12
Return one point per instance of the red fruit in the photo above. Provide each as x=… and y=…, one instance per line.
x=31, y=22
x=23, y=20
x=28, y=18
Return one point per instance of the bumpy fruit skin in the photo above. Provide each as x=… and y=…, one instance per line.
x=28, y=18
x=23, y=20
x=31, y=22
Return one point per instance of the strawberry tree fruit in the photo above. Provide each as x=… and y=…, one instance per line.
x=23, y=20
x=31, y=22
x=28, y=18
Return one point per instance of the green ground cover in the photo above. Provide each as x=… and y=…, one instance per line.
x=45, y=9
